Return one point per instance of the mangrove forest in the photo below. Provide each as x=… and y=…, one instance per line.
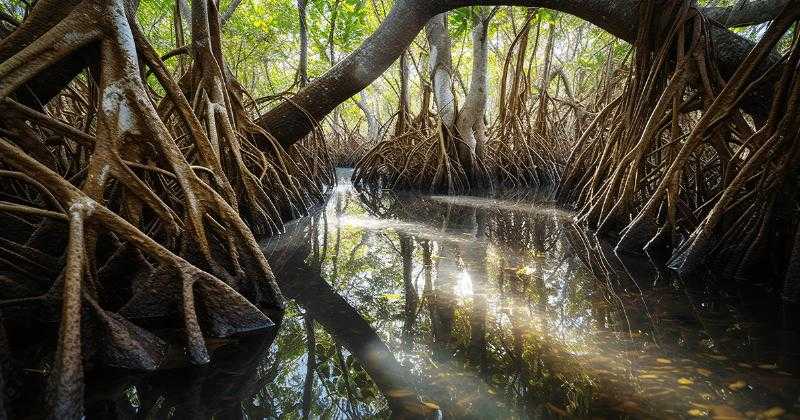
x=407, y=209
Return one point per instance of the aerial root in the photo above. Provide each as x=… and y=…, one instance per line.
x=708, y=190
x=421, y=159
x=160, y=197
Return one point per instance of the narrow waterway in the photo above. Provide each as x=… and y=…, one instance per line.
x=467, y=307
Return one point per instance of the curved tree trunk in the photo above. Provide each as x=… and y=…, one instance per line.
x=441, y=67
x=289, y=121
x=746, y=13
x=373, y=125
x=470, y=123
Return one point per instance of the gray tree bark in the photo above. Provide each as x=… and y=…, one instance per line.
x=441, y=67
x=186, y=12
x=373, y=125
x=471, y=124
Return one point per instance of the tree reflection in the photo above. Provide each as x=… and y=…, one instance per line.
x=223, y=389
x=411, y=298
x=543, y=293
x=483, y=307
x=487, y=308
x=305, y=258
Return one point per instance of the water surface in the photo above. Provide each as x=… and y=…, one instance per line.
x=469, y=307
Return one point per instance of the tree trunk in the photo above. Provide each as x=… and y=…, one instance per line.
x=441, y=67
x=403, y=113
x=289, y=122
x=302, y=71
x=185, y=11
x=746, y=13
x=471, y=124
x=373, y=125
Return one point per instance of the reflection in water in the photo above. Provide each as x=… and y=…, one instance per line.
x=467, y=307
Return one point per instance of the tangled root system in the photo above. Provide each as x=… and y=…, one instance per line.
x=127, y=205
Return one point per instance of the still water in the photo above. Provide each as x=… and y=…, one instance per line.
x=467, y=307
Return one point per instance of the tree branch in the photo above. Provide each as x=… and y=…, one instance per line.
x=292, y=119
x=746, y=13
x=229, y=12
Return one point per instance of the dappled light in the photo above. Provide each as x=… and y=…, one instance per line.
x=410, y=209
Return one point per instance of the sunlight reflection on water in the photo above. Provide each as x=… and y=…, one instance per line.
x=463, y=287
x=503, y=308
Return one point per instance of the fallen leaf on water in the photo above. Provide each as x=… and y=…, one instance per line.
x=661, y=393
x=424, y=410
x=648, y=376
x=772, y=413
x=400, y=393
x=735, y=386
x=704, y=372
x=432, y=406
x=696, y=412
x=685, y=381
x=664, y=361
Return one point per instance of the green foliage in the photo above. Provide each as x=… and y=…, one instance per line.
x=15, y=8
x=261, y=42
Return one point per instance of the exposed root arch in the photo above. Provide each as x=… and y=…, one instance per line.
x=151, y=190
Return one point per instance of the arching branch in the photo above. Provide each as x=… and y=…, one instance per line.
x=292, y=119
x=746, y=12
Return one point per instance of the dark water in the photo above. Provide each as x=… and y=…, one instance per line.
x=465, y=307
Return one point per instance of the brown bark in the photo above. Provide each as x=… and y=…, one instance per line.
x=178, y=184
x=289, y=121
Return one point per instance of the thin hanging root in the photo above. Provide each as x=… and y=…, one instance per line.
x=231, y=133
x=66, y=381
x=659, y=173
x=523, y=152
x=732, y=91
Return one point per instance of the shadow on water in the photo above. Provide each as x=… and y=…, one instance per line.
x=469, y=307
